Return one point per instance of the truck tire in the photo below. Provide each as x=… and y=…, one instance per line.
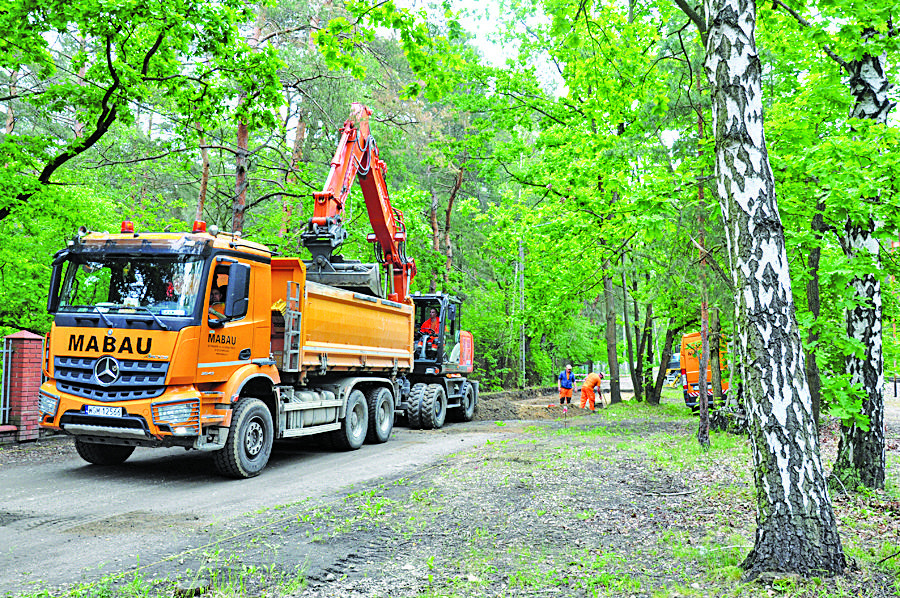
x=416, y=401
x=355, y=425
x=103, y=454
x=381, y=415
x=467, y=403
x=249, y=443
x=434, y=407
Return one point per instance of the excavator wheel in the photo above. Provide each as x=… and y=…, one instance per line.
x=467, y=403
x=102, y=454
x=381, y=414
x=434, y=407
x=416, y=405
x=249, y=442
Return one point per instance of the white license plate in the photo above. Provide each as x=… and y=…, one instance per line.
x=103, y=410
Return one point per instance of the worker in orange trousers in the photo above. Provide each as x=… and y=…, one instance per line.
x=588, y=395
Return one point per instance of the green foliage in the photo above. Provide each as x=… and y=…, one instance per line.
x=432, y=57
x=593, y=171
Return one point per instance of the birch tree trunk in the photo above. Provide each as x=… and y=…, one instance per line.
x=861, y=453
x=796, y=528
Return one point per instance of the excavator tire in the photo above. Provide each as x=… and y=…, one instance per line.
x=249, y=442
x=416, y=405
x=434, y=407
x=381, y=415
x=102, y=454
x=467, y=403
x=355, y=425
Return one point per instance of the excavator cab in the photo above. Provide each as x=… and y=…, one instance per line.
x=441, y=346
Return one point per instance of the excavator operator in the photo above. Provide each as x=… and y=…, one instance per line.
x=432, y=325
x=429, y=331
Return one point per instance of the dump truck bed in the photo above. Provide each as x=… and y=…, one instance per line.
x=325, y=329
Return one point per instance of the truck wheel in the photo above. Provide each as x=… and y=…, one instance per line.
x=434, y=407
x=102, y=454
x=467, y=402
x=355, y=425
x=416, y=405
x=249, y=442
x=381, y=414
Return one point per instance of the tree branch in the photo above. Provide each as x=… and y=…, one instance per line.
x=698, y=21
x=799, y=18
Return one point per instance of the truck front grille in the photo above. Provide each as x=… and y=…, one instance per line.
x=136, y=379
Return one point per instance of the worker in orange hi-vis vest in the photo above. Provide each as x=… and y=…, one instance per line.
x=432, y=325
x=587, y=390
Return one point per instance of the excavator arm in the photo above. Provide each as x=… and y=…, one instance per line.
x=357, y=154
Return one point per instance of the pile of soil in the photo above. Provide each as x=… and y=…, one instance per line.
x=529, y=404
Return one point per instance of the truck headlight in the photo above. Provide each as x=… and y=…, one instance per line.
x=48, y=404
x=187, y=414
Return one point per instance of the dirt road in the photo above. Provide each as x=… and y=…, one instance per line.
x=64, y=521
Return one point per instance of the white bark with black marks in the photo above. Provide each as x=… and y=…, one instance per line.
x=796, y=529
x=861, y=453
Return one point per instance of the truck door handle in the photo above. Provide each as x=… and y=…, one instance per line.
x=244, y=354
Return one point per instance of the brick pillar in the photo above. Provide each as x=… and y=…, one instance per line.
x=24, y=381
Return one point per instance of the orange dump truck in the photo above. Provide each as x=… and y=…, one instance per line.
x=140, y=355
x=690, y=370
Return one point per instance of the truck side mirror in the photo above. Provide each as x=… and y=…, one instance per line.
x=55, y=277
x=53, y=297
x=451, y=312
x=237, y=295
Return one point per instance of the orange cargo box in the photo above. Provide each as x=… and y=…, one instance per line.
x=328, y=329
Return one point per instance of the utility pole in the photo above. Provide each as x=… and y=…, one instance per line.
x=522, y=306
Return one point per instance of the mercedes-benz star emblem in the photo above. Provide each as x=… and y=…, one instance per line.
x=107, y=370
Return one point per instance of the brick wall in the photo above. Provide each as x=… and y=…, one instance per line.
x=24, y=381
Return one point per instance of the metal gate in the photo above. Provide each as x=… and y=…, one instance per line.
x=6, y=365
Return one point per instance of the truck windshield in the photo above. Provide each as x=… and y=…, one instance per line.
x=165, y=285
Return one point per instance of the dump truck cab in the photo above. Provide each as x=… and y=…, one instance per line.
x=138, y=353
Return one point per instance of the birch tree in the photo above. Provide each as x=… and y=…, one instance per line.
x=860, y=49
x=796, y=528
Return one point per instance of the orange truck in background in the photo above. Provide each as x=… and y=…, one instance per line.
x=690, y=370
x=140, y=354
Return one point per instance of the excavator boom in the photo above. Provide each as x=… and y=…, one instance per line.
x=357, y=154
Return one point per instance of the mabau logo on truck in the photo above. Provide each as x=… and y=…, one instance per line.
x=76, y=343
x=221, y=339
